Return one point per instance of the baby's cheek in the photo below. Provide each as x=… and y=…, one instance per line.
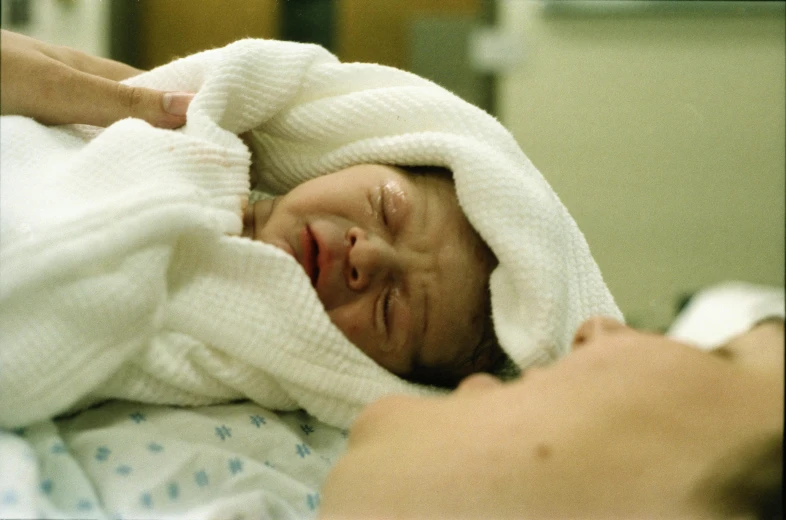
x=361, y=333
x=351, y=328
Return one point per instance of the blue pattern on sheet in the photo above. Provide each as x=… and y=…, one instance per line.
x=302, y=450
x=46, y=486
x=102, y=453
x=10, y=498
x=235, y=465
x=257, y=420
x=150, y=457
x=200, y=477
x=223, y=432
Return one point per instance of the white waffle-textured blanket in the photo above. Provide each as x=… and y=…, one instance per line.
x=120, y=277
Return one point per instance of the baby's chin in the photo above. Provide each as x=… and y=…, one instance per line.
x=255, y=227
x=255, y=216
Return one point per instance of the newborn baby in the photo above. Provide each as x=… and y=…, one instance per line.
x=397, y=266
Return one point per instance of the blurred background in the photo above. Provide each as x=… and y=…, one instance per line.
x=660, y=124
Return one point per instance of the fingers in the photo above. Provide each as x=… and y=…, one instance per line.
x=76, y=59
x=57, y=85
x=102, y=67
x=72, y=96
x=102, y=102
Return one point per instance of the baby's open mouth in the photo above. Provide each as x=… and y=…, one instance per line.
x=310, y=255
x=315, y=270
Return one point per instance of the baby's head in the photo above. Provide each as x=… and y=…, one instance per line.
x=397, y=266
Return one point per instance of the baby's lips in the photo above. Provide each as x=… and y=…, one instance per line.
x=308, y=253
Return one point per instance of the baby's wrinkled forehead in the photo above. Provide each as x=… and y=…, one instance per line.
x=441, y=182
x=459, y=302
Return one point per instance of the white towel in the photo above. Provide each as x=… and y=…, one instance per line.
x=118, y=277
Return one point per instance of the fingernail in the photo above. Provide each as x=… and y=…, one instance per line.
x=176, y=103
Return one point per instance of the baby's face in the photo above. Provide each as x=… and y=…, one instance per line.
x=392, y=257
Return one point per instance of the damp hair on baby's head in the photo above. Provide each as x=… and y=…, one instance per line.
x=487, y=354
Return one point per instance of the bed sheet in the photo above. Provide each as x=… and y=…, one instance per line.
x=721, y=311
x=126, y=460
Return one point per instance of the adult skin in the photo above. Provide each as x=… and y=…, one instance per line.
x=629, y=425
x=57, y=85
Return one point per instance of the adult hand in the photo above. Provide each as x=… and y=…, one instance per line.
x=58, y=85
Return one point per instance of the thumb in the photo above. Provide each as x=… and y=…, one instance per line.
x=88, y=99
x=116, y=101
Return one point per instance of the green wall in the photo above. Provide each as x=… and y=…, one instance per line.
x=662, y=130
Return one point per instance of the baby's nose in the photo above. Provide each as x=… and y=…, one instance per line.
x=368, y=259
